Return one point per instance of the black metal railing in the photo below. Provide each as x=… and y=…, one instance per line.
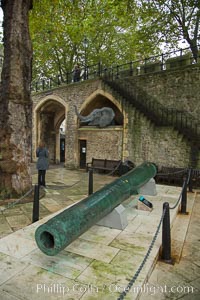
x=138, y=67
x=89, y=72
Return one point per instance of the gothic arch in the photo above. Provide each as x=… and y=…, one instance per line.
x=103, y=93
x=101, y=98
x=89, y=138
x=48, y=114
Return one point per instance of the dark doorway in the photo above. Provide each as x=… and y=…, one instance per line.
x=83, y=147
x=62, y=150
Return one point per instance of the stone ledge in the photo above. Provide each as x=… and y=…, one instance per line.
x=109, y=128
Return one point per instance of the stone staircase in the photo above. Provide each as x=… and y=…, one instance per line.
x=180, y=121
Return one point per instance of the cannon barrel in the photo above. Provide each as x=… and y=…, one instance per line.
x=58, y=232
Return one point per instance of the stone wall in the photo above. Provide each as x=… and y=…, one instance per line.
x=161, y=145
x=72, y=93
x=174, y=88
x=137, y=139
x=179, y=89
x=105, y=143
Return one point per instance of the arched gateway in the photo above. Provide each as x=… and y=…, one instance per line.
x=82, y=142
x=48, y=115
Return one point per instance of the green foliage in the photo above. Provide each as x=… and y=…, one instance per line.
x=174, y=21
x=58, y=29
x=116, y=31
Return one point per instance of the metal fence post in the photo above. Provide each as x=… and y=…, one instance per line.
x=117, y=72
x=190, y=173
x=131, y=68
x=166, y=235
x=58, y=80
x=35, y=216
x=90, y=183
x=99, y=69
x=184, y=198
x=67, y=77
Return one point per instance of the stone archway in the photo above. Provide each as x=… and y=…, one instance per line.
x=99, y=99
x=49, y=113
x=92, y=141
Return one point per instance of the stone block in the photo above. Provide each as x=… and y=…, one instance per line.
x=125, y=73
x=151, y=67
x=179, y=61
x=116, y=219
x=125, y=153
x=148, y=188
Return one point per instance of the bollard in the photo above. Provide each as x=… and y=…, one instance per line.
x=35, y=216
x=184, y=198
x=90, y=182
x=166, y=235
x=58, y=232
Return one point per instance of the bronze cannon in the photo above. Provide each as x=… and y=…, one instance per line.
x=58, y=232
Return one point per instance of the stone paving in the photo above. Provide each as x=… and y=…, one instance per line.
x=101, y=262
x=181, y=280
x=64, y=188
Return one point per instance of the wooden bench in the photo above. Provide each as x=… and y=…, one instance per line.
x=171, y=175
x=103, y=164
x=175, y=176
x=195, y=178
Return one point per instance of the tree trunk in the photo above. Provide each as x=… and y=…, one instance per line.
x=15, y=100
x=194, y=49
